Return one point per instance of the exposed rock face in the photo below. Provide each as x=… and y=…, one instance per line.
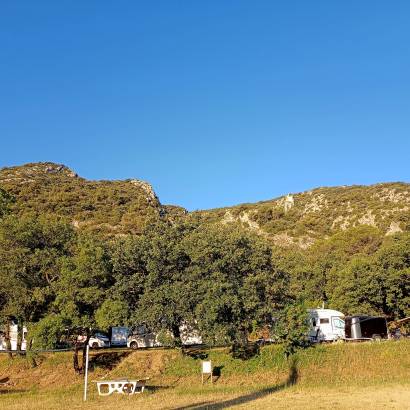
x=368, y=219
x=394, y=228
x=301, y=219
x=289, y=202
x=147, y=188
x=30, y=172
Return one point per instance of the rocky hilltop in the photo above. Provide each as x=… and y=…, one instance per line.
x=123, y=207
x=110, y=207
x=301, y=218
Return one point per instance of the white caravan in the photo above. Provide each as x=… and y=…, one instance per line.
x=13, y=338
x=326, y=325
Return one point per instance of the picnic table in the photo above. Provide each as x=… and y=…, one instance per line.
x=123, y=386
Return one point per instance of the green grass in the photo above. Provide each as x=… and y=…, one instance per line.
x=365, y=375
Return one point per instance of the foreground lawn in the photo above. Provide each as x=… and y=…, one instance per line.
x=293, y=397
x=344, y=376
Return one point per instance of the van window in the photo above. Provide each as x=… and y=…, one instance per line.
x=338, y=323
x=324, y=321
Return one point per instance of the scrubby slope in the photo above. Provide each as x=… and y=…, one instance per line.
x=109, y=207
x=122, y=207
x=300, y=219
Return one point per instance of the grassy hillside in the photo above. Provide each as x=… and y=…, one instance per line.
x=368, y=375
x=108, y=207
x=300, y=219
x=122, y=207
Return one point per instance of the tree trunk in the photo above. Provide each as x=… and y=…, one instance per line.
x=75, y=357
x=85, y=350
x=177, y=335
x=7, y=338
x=30, y=355
x=19, y=337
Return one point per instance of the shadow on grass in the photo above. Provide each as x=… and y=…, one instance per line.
x=196, y=352
x=217, y=372
x=107, y=360
x=290, y=381
x=12, y=391
x=153, y=389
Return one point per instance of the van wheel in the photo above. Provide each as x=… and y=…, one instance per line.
x=95, y=345
x=376, y=338
x=134, y=345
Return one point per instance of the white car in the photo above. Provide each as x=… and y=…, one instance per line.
x=97, y=341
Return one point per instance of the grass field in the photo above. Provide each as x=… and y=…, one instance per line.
x=339, y=376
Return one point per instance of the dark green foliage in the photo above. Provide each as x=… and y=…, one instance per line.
x=5, y=202
x=84, y=282
x=49, y=332
x=292, y=328
x=102, y=207
x=32, y=251
x=77, y=254
x=376, y=284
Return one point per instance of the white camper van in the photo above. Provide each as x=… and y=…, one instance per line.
x=326, y=325
x=142, y=337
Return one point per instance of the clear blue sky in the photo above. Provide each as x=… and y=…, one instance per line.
x=213, y=102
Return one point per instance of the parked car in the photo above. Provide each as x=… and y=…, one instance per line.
x=141, y=337
x=97, y=341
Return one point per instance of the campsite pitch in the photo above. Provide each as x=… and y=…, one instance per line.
x=342, y=376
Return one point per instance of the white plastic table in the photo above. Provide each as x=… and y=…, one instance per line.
x=123, y=386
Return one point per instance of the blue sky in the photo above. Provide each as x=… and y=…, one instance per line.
x=213, y=102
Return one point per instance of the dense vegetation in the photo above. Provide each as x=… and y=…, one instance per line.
x=229, y=280
x=106, y=208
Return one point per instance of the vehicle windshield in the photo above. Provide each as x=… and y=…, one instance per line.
x=101, y=335
x=338, y=323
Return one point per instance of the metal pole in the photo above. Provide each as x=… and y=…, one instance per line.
x=86, y=372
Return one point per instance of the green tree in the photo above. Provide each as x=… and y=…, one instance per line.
x=237, y=286
x=166, y=302
x=82, y=287
x=111, y=313
x=31, y=253
x=292, y=328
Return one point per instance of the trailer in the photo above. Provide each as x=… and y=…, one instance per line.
x=119, y=336
x=365, y=327
x=326, y=325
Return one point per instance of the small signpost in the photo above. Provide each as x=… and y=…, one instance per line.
x=206, y=370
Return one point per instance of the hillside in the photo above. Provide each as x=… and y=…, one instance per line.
x=108, y=207
x=122, y=207
x=339, y=376
x=301, y=218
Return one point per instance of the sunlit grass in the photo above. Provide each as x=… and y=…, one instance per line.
x=372, y=375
